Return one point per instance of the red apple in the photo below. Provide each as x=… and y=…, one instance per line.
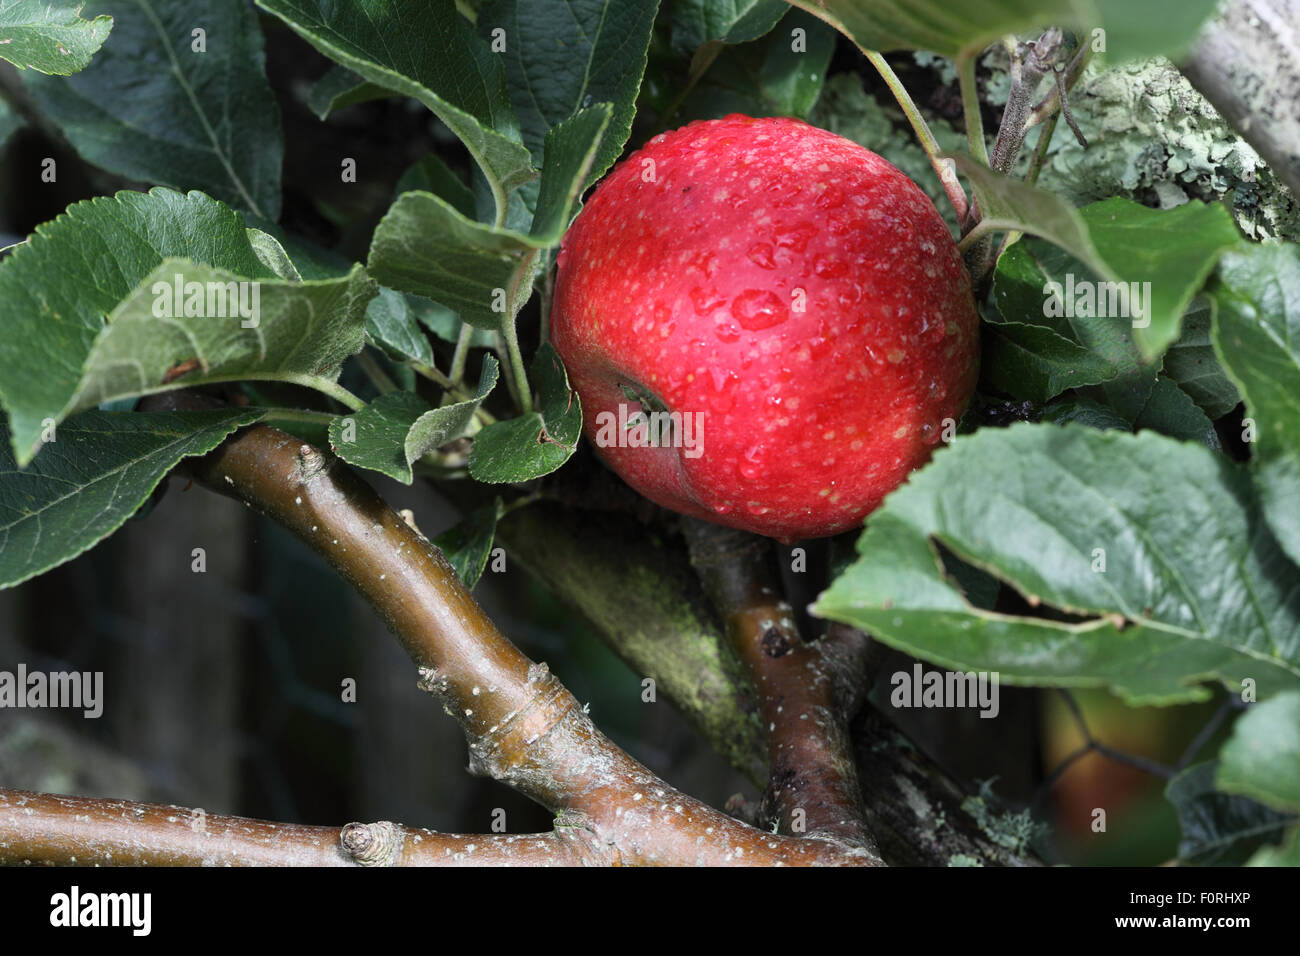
x=792, y=300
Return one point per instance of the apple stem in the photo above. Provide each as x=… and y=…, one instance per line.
x=375, y=372
x=515, y=359
x=461, y=354
x=943, y=168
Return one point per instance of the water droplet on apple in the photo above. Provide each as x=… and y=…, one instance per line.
x=832, y=197
x=707, y=263
x=830, y=267
x=795, y=236
x=758, y=309
x=760, y=253
x=751, y=465
x=726, y=331
x=723, y=396
x=706, y=300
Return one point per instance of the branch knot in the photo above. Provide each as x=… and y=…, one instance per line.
x=371, y=844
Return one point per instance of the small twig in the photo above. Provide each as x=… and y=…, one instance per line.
x=1045, y=788
x=461, y=355
x=1030, y=62
x=1134, y=761
x=1205, y=733
x=970, y=104
x=458, y=392
x=943, y=168
x=82, y=831
x=1131, y=760
x=1050, y=103
x=333, y=389
x=1065, y=109
x=378, y=377
x=1031, y=177
x=1039, y=158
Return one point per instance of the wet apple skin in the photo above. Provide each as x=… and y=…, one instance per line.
x=796, y=291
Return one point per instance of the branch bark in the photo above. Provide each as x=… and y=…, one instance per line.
x=83, y=831
x=807, y=690
x=627, y=578
x=1246, y=62
x=524, y=728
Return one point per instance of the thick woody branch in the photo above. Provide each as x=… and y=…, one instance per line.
x=631, y=581
x=524, y=728
x=42, y=828
x=808, y=691
x=1246, y=62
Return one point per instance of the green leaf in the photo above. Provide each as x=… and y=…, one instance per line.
x=49, y=36
x=468, y=544
x=287, y=331
x=100, y=468
x=308, y=259
x=1288, y=854
x=1173, y=249
x=446, y=324
x=571, y=148
x=1262, y=757
x=152, y=109
x=1219, y=829
x=391, y=324
x=791, y=80
x=539, y=442
x=1257, y=338
x=427, y=51
x=697, y=22
x=1033, y=284
x=426, y=246
x=10, y=123
x=1161, y=256
x=1084, y=412
x=562, y=56
x=1191, y=363
x=59, y=286
x=395, y=430
x=1171, y=411
x=957, y=30
x=431, y=175
x=1152, y=28
x=341, y=87
x=1034, y=362
x=1011, y=205
x=767, y=77
x=1194, y=587
x=271, y=254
